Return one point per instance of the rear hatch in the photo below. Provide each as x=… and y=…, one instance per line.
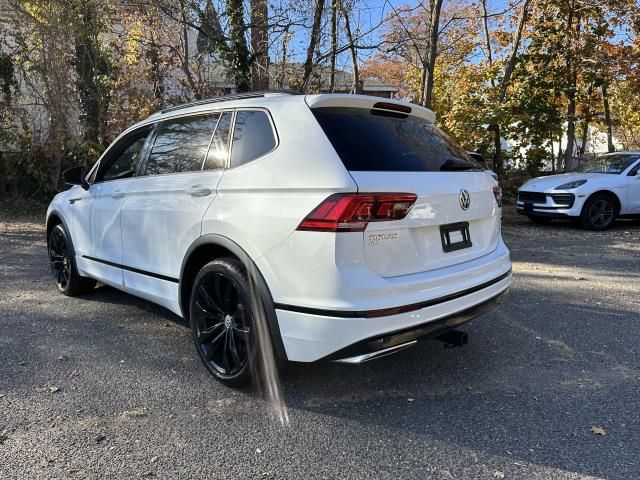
x=456, y=215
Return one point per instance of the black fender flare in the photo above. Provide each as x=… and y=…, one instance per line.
x=256, y=276
x=66, y=227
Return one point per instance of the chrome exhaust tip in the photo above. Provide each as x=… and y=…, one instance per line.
x=377, y=354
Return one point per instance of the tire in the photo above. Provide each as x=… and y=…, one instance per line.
x=598, y=213
x=539, y=220
x=63, y=264
x=223, y=321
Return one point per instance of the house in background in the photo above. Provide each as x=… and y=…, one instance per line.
x=218, y=78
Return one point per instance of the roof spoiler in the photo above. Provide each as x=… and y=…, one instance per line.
x=368, y=102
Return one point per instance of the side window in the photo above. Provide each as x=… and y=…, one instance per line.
x=124, y=157
x=219, y=150
x=180, y=145
x=252, y=137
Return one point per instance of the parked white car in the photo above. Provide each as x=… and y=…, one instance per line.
x=350, y=223
x=596, y=193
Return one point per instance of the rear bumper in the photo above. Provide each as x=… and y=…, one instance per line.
x=312, y=335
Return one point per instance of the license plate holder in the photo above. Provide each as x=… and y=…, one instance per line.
x=455, y=236
x=528, y=207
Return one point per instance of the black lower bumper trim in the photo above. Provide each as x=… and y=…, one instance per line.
x=393, y=310
x=417, y=333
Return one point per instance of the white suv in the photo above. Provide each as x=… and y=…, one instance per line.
x=350, y=223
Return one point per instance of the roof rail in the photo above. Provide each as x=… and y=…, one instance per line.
x=227, y=98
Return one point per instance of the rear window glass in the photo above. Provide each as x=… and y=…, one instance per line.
x=378, y=142
x=252, y=137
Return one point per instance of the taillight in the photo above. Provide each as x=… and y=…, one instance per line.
x=497, y=192
x=351, y=212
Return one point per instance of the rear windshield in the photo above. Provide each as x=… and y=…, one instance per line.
x=367, y=141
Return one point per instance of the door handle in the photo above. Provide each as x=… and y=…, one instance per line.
x=117, y=194
x=198, y=191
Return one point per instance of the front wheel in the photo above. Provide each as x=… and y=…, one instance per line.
x=222, y=321
x=599, y=213
x=63, y=265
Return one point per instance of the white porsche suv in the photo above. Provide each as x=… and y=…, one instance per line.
x=349, y=226
x=594, y=194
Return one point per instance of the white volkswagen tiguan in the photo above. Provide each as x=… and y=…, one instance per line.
x=350, y=223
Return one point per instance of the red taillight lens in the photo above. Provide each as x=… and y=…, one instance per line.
x=351, y=212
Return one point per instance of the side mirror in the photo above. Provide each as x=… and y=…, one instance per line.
x=75, y=176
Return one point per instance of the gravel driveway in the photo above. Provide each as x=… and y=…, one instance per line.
x=108, y=386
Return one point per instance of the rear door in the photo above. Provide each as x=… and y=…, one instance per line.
x=456, y=217
x=97, y=234
x=163, y=211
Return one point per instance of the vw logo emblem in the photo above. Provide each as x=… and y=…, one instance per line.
x=465, y=199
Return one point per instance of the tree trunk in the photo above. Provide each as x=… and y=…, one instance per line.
x=607, y=119
x=240, y=65
x=355, y=87
x=497, y=145
x=434, y=26
x=186, y=54
x=572, y=72
x=283, y=61
x=313, y=42
x=485, y=23
x=511, y=64
x=259, y=45
x=334, y=45
x=90, y=65
x=569, y=161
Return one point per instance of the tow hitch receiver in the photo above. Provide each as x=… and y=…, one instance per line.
x=453, y=338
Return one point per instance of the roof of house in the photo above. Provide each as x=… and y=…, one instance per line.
x=218, y=75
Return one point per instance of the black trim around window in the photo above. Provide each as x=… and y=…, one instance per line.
x=394, y=310
x=132, y=269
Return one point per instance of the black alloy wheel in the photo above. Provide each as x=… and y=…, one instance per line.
x=222, y=321
x=59, y=258
x=598, y=213
x=62, y=264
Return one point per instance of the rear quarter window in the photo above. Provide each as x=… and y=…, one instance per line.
x=253, y=136
x=367, y=141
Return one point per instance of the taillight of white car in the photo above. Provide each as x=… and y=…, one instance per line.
x=352, y=212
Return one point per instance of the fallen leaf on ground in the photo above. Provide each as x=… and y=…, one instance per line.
x=498, y=474
x=49, y=388
x=598, y=431
x=134, y=413
x=258, y=450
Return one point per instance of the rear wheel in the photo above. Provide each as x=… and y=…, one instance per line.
x=222, y=321
x=599, y=212
x=539, y=220
x=63, y=265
